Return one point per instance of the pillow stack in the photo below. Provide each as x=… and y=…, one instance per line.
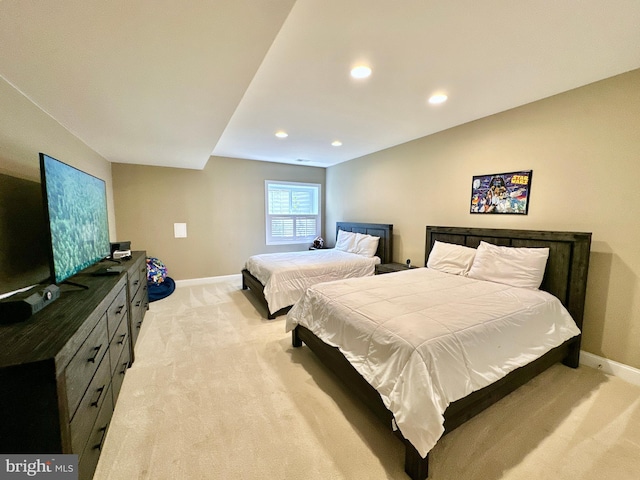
x=515, y=266
x=358, y=243
x=518, y=267
x=451, y=258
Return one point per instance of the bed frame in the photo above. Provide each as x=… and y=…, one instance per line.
x=565, y=277
x=384, y=252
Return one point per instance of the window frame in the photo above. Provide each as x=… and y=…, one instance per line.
x=293, y=240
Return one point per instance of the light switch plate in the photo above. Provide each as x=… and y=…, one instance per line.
x=180, y=230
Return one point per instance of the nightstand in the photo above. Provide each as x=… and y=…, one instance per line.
x=392, y=267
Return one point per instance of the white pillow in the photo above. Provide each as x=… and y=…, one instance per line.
x=451, y=258
x=365, y=245
x=518, y=267
x=345, y=241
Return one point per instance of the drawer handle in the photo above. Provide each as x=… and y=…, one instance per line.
x=97, y=400
x=122, y=337
x=125, y=365
x=139, y=324
x=97, y=350
x=135, y=284
x=104, y=432
x=138, y=303
x=119, y=310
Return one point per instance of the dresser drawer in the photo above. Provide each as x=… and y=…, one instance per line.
x=138, y=307
x=119, y=342
x=84, y=364
x=91, y=453
x=116, y=312
x=142, y=270
x=119, y=372
x=137, y=276
x=89, y=407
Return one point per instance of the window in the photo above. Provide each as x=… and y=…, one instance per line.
x=292, y=212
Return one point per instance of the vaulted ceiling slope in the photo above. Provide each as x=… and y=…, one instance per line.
x=168, y=83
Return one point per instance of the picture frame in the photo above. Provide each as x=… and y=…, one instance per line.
x=501, y=193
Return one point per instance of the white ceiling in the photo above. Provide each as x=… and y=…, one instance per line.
x=168, y=83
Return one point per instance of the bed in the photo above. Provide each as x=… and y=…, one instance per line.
x=564, y=278
x=277, y=280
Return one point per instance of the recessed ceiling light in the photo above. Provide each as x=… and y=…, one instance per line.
x=361, y=71
x=336, y=143
x=437, y=98
x=303, y=160
x=282, y=134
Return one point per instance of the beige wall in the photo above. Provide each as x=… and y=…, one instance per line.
x=584, y=149
x=25, y=131
x=222, y=205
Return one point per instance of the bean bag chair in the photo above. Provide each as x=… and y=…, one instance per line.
x=159, y=284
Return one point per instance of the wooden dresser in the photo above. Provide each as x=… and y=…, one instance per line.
x=62, y=369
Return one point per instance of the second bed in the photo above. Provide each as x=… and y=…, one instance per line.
x=278, y=280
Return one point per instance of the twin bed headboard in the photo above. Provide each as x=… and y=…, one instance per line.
x=566, y=272
x=382, y=230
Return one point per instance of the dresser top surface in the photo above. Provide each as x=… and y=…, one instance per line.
x=45, y=334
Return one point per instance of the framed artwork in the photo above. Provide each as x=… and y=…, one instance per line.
x=501, y=193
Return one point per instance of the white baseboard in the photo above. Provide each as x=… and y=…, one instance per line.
x=204, y=281
x=611, y=367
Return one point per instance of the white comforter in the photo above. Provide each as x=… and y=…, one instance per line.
x=424, y=339
x=286, y=276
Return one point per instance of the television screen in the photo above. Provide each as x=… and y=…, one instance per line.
x=76, y=209
x=23, y=235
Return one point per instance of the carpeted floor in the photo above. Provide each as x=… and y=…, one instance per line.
x=217, y=392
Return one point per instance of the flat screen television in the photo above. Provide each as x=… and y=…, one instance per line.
x=76, y=213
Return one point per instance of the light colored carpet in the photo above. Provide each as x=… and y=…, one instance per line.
x=217, y=392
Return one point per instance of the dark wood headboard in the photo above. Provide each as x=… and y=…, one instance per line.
x=566, y=273
x=382, y=230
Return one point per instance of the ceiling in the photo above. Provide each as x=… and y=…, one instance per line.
x=167, y=83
